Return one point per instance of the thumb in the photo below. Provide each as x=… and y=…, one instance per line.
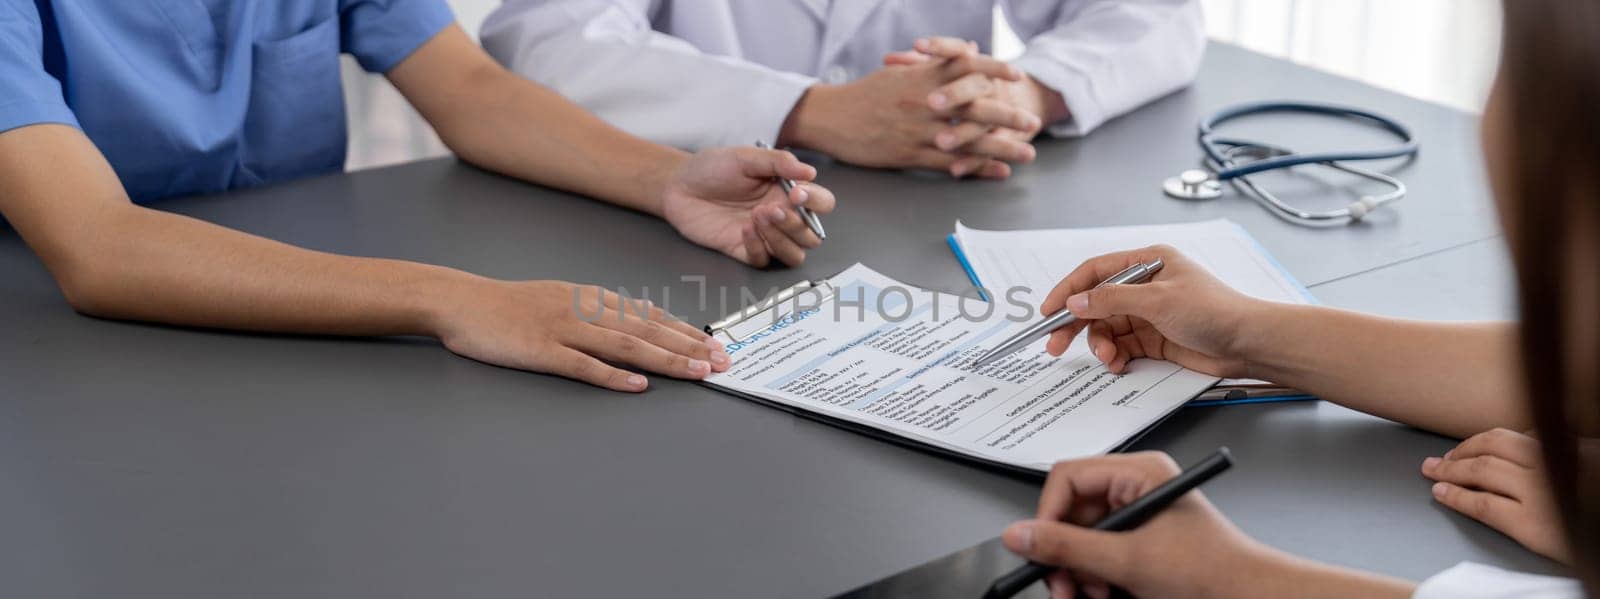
x=1104, y=555
x=907, y=57
x=1116, y=300
x=761, y=164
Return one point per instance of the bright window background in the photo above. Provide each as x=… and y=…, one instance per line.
x=1437, y=50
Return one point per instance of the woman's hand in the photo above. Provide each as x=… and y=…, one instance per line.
x=574, y=331
x=1189, y=550
x=1498, y=478
x=1184, y=314
x=726, y=199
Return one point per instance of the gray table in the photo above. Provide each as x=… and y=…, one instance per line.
x=151, y=461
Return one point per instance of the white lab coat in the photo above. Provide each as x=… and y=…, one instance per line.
x=705, y=73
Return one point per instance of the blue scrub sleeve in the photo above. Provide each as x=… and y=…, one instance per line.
x=29, y=94
x=381, y=33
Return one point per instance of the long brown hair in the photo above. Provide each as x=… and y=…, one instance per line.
x=1550, y=89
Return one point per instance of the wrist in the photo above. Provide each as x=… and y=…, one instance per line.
x=442, y=294
x=806, y=124
x=659, y=179
x=1046, y=103
x=1257, y=326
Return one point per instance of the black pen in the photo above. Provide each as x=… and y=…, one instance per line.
x=805, y=214
x=1127, y=518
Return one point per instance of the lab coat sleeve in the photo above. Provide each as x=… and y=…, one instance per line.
x=1468, y=580
x=1107, y=57
x=604, y=55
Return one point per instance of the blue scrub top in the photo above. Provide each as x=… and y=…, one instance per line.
x=200, y=96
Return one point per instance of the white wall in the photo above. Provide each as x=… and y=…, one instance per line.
x=1438, y=50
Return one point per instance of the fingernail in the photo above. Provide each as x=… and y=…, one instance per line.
x=803, y=196
x=937, y=100
x=636, y=381
x=920, y=44
x=719, y=359
x=1104, y=353
x=1078, y=303
x=779, y=215
x=714, y=344
x=1429, y=464
x=699, y=367
x=1021, y=537
x=1439, y=489
x=1447, y=454
x=945, y=140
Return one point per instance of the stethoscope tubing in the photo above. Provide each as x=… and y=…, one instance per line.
x=1229, y=170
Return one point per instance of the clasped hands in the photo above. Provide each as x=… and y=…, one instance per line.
x=941, y=105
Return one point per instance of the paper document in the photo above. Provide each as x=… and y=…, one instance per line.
x=1038, y=259
x=887, y=355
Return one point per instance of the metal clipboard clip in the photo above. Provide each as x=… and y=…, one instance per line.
x=741, y=325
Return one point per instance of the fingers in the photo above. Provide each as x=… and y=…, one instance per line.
x=1516, y=447
x=956, y=95
x=579, y=366
x=623, y=348
x=977, y=63
x=960, y=134
x=672, y=339
x=816, y=198
x=788, y=223
x=978, y=166
x=905, y=58
x=999, y=113
x=1486, y=473
x=1102, y=554
x=757, y=163
x=1001, y=146
x=1095, y=270
x=775, y=225
x=643, y=309
x=1491, y=509
x=932, y=159
x=945, y=47
x=1090, y=480
x=755, y=250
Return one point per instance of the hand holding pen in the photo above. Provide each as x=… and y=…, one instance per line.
x=812, y=222
x=1183, y=315
x=1141, y=507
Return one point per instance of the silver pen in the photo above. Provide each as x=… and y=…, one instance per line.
x=788, y=189
x=1138, y=273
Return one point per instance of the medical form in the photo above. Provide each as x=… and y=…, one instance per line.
x=869, y=350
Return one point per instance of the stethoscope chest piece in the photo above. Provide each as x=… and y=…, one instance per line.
x=1193, y=184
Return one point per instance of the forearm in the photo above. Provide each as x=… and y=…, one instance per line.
x=1276, y=574
x=161, y=267
x=1457, y=379
x=502, y=122
x=516, y=127
x=117, y=260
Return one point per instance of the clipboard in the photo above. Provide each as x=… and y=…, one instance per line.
x=736, y=327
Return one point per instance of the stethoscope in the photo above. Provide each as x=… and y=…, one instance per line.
x=1234, y=160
